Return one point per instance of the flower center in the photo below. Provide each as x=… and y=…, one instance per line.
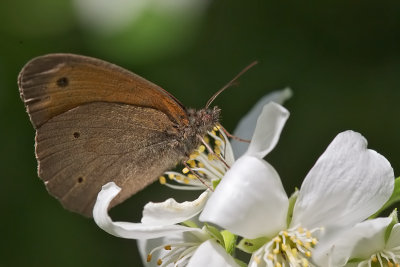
x=292, y=247
x=205, y=165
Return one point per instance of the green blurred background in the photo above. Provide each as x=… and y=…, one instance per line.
x=341, y=58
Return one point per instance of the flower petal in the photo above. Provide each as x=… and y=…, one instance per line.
x=247, y=124
x=210, y=253
x=360, y=241
x=171, y=212
x=250, y=201
x=347, y=184
x=127, y=229
x=268, y=129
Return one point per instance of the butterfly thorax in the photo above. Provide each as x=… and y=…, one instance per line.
x=200, y=122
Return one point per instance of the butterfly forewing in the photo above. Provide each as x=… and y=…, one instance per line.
x=52, y=84
x=84, y=148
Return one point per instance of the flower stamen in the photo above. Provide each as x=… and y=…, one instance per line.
x=205, y=165
x=292, y=247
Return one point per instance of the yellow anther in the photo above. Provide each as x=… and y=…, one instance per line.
x=185, y=170
x=206, y=139
x=390, y=264
x=213, y=132
x=148, y=257
x=304, y=262
x=178, y=178
x=374, y=259
x=216, y=128
x=270, y=256
x=314, y=241
x=300, y=230
x=186, y=180
x=159, y=262
x=285, y=233
x=308, y=254
x=218, y=142
x=294, y=252
x=298, y=242
x=202, y=148
x=308, y=234
x=167, y=247
x=217, y=150
x=284, y=247
x=171, y=176
x=397, y=265
x=278, y=264
x=191, y=176
x=275, y=251
x=194, y=155
x=200, y=164
x=162, y=180
x=210, y=157
x=192, y=164
x=307, y=245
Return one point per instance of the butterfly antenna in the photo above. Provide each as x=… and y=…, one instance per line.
x=230, y=83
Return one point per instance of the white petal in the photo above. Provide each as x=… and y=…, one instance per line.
x=171, y=212
x=394, y=238
x=268, y=129
x=210, y=253
x=360, y=241
x=247, y=124
x=127, y=229
x=250, y=201
x=347, y=184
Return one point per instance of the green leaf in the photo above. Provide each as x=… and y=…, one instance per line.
x=213, y=231
x=393, y=199
x=251, y=245
x=292, y=201
x=215, y=183
x=190, y=224
x=395, y=220
x=229, y=240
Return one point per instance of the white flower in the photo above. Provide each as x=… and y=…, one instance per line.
x=370, y=243
x=181, y=245
x=347, y=184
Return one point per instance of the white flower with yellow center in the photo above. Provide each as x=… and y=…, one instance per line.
x=370, y=243
x=347, y=184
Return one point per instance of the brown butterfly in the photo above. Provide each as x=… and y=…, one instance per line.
x=96, y=122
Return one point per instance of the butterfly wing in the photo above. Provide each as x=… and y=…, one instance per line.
x=52, y=84
x=82, y=149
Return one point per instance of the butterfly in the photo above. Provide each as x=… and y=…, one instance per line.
x=96, y=122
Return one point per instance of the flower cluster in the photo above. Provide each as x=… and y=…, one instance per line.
x=330, y=221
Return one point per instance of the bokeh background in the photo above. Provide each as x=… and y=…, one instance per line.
x=341, y=59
